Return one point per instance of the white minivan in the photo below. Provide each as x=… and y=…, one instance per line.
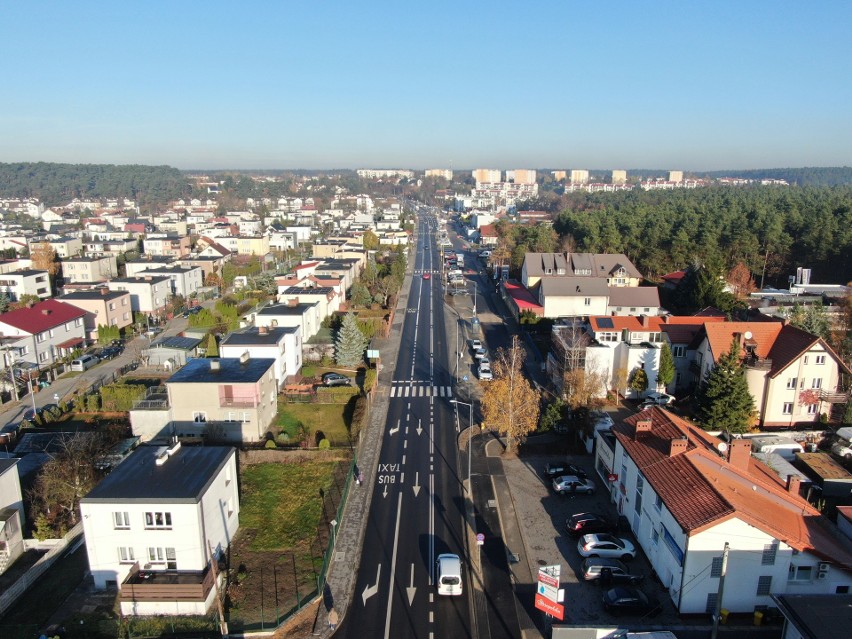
x=449, y=577
x=84, y=362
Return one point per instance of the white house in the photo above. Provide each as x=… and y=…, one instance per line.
x=185, y=280
x=25, y=282
x=148, y=293
x=155, y=523
x=43, y=333
x=281, y=343
x=328, y=299
x=688, y=496
x=305, y=315
x=11, y=514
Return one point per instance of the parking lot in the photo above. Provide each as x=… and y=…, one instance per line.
x=543, y=514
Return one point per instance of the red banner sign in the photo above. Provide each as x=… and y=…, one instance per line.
x=612, y=477
x=544, y=578
x=550, y=607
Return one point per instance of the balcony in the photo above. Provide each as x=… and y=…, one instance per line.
x=757, y=363
x=166, y=585
x=237, y=402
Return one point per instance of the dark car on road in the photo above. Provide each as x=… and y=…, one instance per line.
x=558, y=469
x=111, y=351
x=335, y=379
x=588, y=523
x=630, y=601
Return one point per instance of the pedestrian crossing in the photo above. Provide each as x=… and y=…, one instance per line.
x=421, y=271
x=408, y=390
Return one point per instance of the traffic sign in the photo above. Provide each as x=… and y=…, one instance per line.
x=550, y=607
x=480, y=539
x=464, y=379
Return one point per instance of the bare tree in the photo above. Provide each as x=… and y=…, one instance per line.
x=510, y=403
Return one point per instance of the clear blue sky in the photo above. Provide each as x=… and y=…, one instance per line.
x=322, y=84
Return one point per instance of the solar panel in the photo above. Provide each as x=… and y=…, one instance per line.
x=605, y=322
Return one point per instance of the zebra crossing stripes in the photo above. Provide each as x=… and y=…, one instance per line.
x=408, y=390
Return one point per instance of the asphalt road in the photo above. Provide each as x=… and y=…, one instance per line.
x=418, y=506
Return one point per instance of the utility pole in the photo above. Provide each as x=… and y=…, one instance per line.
x=719, y=594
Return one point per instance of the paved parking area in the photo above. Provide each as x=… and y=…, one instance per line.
x=542, y=516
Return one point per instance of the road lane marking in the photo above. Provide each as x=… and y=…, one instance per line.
x=393, y=566
x=369, y=591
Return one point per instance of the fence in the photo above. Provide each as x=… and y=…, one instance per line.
x=26, y=580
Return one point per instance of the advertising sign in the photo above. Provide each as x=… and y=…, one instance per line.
x=550, y=607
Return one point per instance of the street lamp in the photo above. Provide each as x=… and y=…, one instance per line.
x=470, y=436
x=333, y=524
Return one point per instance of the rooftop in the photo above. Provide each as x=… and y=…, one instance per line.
x=182, y=479
x=258, y=336
x=95, y=294
x=42, y=316
x=223, y=370
x=287, y=309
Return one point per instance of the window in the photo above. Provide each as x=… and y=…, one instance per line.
x=769, y=552
x=158, y=520
x=788, y=408
x=820, y=359
x=812, y=409
x=42, y=357
x=655, y=338
x=41, y=337
x=78, y=321
x=716, y=568
x=800, y=573
x=710, y=609
x=791, y=383
x=587, y=301
x=679, y=350
x=608, y=337
x=126, y=555
x=655, y=536
x=121, y=520
x=764, y=585
x=841, y=590
x=817, y=383
x=52, y=333
x=632, y=309
x=806, y=359
x=230, y=507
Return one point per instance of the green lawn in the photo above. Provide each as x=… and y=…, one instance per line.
x=329, y=418
x=281, y=503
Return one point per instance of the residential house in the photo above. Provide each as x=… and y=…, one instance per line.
x=11, y=514
x=42, y=334
x=103, y=308
x=281, y=343
x=306, y=315
x=328, y=298
x=185, y=280
x=64, y=247
x=113, y=247
x=168, y=245
x=171, y=353
x=148, y=293
x=147, y=262
x=157, y=522
x=488, y=236
x=89, y=269
x=246, y=244
x=793, y=376
x=814, y=616
x=209, y=265
x=346, y=269
x=208, y=248
x=688, y=497
x=25, y=282
x=615, y=269
x=241, y=391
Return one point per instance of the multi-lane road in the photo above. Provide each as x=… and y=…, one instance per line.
x=418, y=504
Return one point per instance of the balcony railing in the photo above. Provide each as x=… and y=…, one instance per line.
x=166, y=585
x=758, y=363
x=225, y=402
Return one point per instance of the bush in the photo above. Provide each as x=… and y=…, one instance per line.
x=121, y=397
x=336, y=394
x=93, y=403
x=283, y=439
x=270, y=443
x=370, y=377
x=324, y=444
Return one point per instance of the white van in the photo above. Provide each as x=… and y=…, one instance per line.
x=449, y=577
x=783, y=446
x=83, y=363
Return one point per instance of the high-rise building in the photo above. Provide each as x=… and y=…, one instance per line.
x=447, y=174
x=559, y=175
x=675, y=176
x=486, y=176
x=521, y=176
x=579, y=176
x=372, y=174
x=619, y=176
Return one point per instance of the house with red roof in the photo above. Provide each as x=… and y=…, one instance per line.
x=793, y=376
x=41, y=334
x=687, y=495
x=488, y=235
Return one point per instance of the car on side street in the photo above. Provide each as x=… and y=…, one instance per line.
x=573, y=485
x=480, y=353
x=335, y=379
x=605, y=545
x=474, y=344
x=630, y=601
x=657, y=399
x=587, y=523
x=485, y=373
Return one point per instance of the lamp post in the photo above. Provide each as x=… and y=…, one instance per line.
x=470, y=436
x=333, y=524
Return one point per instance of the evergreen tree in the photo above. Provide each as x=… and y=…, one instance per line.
x=359, y=295
x=639, y=380
x=4, y=302
x=350, y=343
x=724, y=400
x=212, y=347
x=666, y=374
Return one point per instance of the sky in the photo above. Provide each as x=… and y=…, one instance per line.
x=459, y=84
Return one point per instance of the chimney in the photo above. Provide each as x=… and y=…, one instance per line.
x=215, y=365
x=793, y=483
x=678, y=446
x=104, y=291
x=45, y=311
x=293, y=302
x=644, y=319
x=642, y=426
x=263, y=330
x=245, y=357
x=740, y=453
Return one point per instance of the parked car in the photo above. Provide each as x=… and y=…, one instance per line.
x=111, y=351
x=335, y=379
x=605, y=545
x=658, y=399
x=627, y=600
x=601, y=420
x=573, y=485
x=588, y=523
x=485, y=372
x=558, y=469
x=480, y=352
x=604, y=571
x=475, y=344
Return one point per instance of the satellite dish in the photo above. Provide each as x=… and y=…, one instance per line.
x=747, y=335
x=722, y=447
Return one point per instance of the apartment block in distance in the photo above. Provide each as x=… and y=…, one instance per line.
x=579, y=176
x=447, y=174
x=156, y=523
x=487, y=176
x=619, y=176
